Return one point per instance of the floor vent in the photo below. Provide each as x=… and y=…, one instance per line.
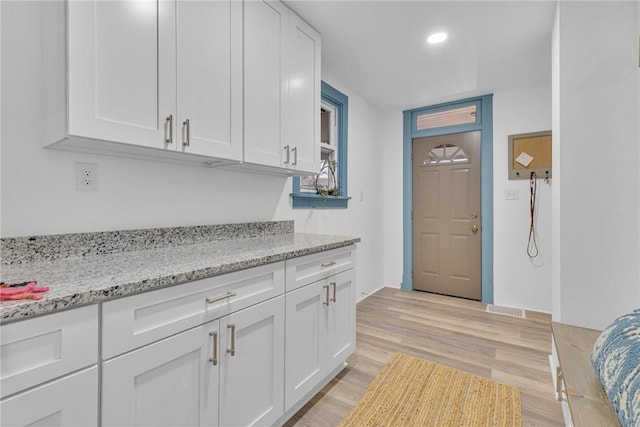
x=506, y=311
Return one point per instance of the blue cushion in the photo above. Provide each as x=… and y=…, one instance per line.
x=616, y=360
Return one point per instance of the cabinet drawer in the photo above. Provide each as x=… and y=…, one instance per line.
x=311, y=268
x=68, y=401
x=43, y=348
x=138, y=320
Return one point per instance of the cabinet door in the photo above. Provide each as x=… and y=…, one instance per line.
x=69, y=401
x=341, y=321
x=252, y=369
x=305, y=343
x=265, y=83
x=170, y=382
x=121, y=64
x=209, y=92
x=302, y=120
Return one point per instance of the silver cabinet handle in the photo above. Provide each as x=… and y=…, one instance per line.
x=221, y=297
x=334, y=291
x=232, y=350
x=326, y=301
x=295, y=156
x=329, y=264
x=186, y=133
x=286, y=148
x=168, y=129
x=214, y=358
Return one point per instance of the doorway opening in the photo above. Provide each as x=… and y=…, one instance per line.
x=443, y=161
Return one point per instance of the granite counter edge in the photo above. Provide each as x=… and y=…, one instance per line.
x=53, y=305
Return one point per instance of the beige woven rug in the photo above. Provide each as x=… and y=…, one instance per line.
x=415, y=392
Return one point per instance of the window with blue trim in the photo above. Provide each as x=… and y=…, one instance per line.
x=328, y=188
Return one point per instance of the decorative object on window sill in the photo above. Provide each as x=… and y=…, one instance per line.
x=326, y=183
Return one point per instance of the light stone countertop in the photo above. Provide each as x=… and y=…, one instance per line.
x=77, y=281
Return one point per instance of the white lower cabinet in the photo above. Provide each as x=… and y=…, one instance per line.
x=341, y=319
x=306, y=341
x=232, y=350
x=68, y=401
x=48, y=370
x=252, y=365
x=320, y=333
x=170, y=382
x=226, y=372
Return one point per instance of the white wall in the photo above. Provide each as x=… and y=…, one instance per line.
x=1, y=103
x=598, y=120
x=518, y=280
x=638, y=19
x=38, y=185
x=557, y=160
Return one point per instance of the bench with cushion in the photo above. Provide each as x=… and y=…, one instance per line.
x=577, y=386
x=616, y=361
x=597, y=374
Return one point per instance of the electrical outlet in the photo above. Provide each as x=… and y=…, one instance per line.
x=86, y=176
x=511, y=194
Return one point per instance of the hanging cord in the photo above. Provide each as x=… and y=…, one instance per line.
x=532, y=244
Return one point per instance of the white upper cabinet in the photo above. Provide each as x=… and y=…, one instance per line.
x=302, y=128
x=209, y=59
x=265, y=82
x=281, y=89
x=220, y=81
x=122, y=73
x=162, y=74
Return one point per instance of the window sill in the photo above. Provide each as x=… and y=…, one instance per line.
x=315, y=201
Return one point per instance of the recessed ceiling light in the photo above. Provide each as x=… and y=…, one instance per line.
x=437, y=38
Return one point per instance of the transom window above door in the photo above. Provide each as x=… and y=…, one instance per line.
x=449, y=117
x=445, y=154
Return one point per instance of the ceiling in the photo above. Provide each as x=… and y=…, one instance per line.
x=378, y=49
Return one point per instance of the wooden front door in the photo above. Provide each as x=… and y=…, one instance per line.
x=446, y=215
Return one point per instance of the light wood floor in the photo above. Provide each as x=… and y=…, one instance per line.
x=451, y=331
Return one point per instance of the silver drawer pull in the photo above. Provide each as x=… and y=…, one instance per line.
x=329, y=264
x=232, y=350
x=221, y=297
x=186, y=133
x=168, y=130
x=214, y=358
x=326, y=301
x=334, y=291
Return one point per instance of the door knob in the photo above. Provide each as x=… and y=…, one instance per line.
x=474, y=228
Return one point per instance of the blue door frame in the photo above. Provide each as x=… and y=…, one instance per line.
x=484, y=123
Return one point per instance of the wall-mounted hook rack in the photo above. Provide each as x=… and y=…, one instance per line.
x=530, y=152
